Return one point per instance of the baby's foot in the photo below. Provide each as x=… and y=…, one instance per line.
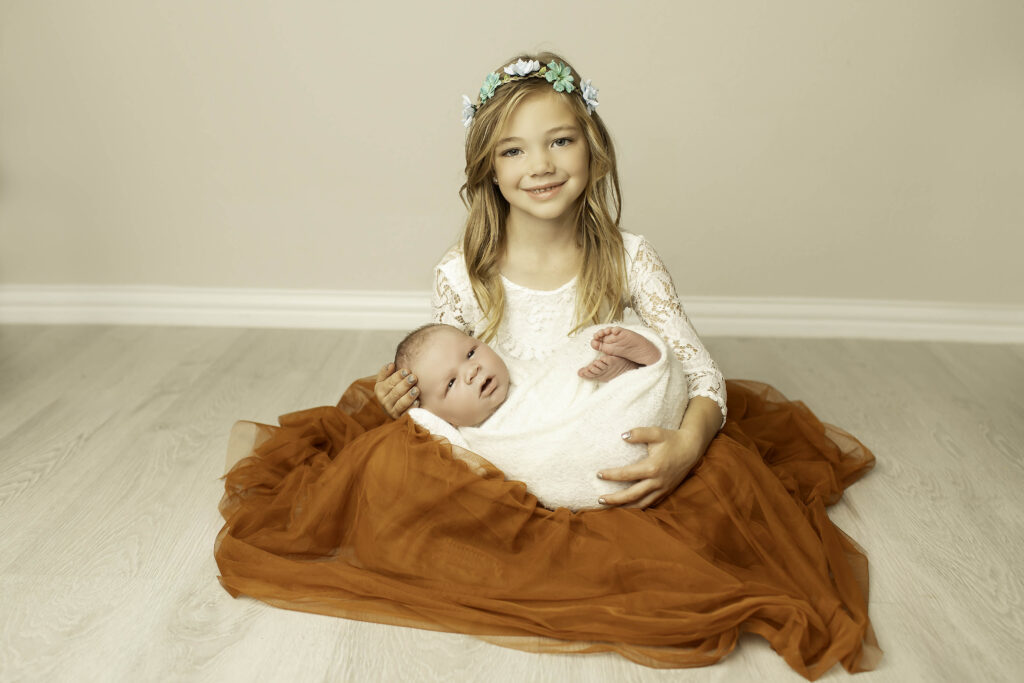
x=605, y=367
x=617, y=341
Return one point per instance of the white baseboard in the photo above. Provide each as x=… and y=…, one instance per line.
x=856, y=318
x=213, y=307
x=382, y=310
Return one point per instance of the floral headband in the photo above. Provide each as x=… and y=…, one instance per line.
x=556, y=73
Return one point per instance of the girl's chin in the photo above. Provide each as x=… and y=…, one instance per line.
x=547, y=212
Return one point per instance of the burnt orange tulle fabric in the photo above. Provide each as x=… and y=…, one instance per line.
x=342, y=511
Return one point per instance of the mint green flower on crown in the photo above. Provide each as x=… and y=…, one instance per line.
x=487, y=89
x=560, y=75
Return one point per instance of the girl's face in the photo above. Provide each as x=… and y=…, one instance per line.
x=542, y=160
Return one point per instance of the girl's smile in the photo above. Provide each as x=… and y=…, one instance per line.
x=546, y=191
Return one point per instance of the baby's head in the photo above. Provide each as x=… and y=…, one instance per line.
x=461, y=379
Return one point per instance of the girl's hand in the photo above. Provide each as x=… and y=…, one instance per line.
x=670, y=456
x=396, y=390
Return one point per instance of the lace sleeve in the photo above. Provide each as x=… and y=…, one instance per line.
x=653, y=297
x=446, y=302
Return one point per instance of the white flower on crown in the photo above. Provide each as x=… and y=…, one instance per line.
x=589, y=93
x=522, y=67
x=468, y=111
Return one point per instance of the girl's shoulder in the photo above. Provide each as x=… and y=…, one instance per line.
x=631, y=243
x=452, y=269
x=453, y=255
x=635, y=246
x=642, y=261
x=452, y=264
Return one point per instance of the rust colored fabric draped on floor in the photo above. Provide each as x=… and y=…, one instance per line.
x=342, y=511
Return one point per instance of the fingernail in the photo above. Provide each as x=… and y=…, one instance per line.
x=416, y=403
x=625, y=435
x=600, y=476
x=601, y=501
x=414, y=391
x=405, y=373
x=411, y=379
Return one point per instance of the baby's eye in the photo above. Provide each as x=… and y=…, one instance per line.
x=471, y=352
x=562, y=142
x=451, y=382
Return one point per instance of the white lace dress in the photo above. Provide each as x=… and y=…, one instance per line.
x=537, y=321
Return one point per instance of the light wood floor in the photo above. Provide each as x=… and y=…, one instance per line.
x=112, y=440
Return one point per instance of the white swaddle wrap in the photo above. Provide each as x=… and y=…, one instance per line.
x=556, y=430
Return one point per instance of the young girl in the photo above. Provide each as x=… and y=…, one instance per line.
x=347, y=511
x=542, y=256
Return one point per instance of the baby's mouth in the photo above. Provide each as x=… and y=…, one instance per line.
x=487, y=383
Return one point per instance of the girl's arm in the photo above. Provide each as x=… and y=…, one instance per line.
x=671, y=454
x=653, y=297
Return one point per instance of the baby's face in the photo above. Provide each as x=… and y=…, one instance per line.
x=461, y=379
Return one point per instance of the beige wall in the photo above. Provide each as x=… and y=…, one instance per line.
x=819, y=149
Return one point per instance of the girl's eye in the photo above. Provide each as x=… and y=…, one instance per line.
x=562, y=142
x=515, y=151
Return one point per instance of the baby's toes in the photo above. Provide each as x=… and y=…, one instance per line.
x=597, y=368
x=604, y=338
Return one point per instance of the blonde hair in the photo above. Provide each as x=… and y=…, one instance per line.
x=601, y=284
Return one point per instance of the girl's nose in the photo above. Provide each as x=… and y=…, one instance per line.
x=542, y=164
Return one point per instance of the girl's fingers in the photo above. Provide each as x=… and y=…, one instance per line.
x=636, y=492
x=401, y=396
x=387, y=378
x=644, y=469
x=401, y=386
x=635, y=472
x=392, y=387
x=643, y=435
x=385, y=372
x=407, y=401
x=395, y=378
x=382, y=385
x=648, y=500
x=400, y=381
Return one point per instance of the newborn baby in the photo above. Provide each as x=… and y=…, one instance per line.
x=545, y=423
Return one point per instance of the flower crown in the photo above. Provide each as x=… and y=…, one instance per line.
x=556, y=73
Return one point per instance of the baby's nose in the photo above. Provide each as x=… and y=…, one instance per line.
x=471, y=372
